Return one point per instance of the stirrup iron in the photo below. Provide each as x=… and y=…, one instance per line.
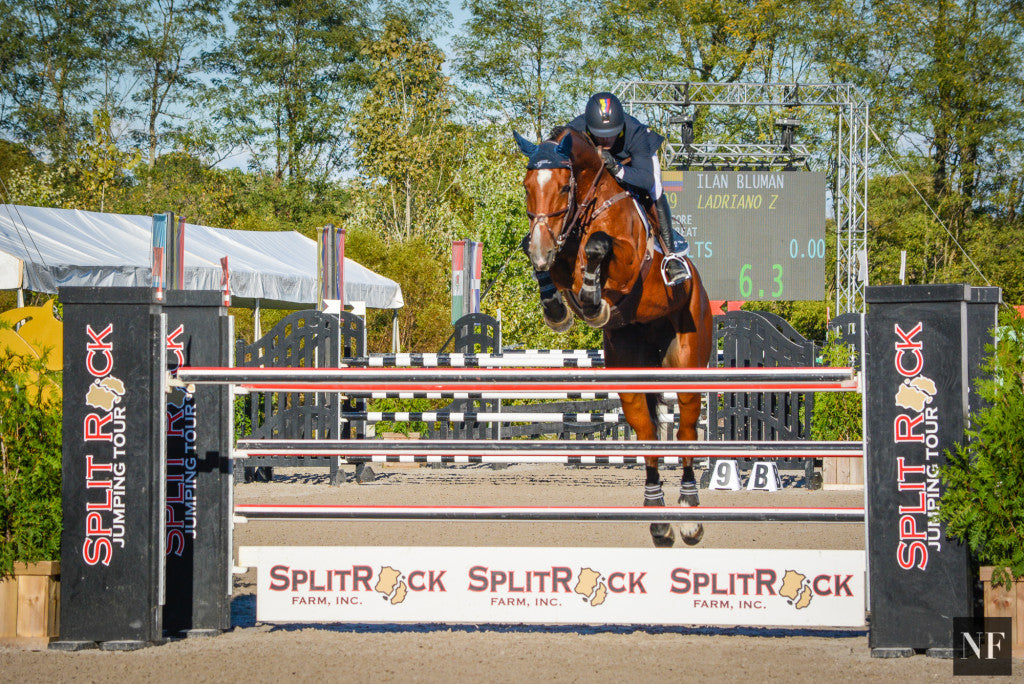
x=675, y=258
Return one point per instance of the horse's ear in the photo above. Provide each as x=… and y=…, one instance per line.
x=525, y=146
x=565, y=147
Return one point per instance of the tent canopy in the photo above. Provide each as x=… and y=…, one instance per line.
x=43, y=249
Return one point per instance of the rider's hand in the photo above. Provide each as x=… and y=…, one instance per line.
x=610, y=162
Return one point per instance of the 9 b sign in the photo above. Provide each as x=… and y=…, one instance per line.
x=754, y=235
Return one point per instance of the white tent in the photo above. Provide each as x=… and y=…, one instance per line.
x=10, y=272
x=42, y=249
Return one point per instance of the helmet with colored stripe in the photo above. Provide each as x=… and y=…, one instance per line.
x=604, y=115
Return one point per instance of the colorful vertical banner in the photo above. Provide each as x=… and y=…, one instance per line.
x=474, y=279
x=330, y=259
x=169, y=236
x=159, y=254
x=458, y=254
x=467, y=265
x=339, y=239
x=225, y=280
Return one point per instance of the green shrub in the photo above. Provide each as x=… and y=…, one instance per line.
x=30, y=460
x=837, y=415
x=983, y=503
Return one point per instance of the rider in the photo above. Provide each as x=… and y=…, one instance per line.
x=630, y=153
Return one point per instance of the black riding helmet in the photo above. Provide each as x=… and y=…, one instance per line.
x=604, y=115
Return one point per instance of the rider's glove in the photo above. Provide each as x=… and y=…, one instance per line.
x=610, y=162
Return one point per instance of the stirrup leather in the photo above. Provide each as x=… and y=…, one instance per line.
x=675, y=258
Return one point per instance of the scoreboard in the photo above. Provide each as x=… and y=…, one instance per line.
x=754, y=235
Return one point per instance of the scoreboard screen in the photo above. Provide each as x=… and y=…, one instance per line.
x=754, y=235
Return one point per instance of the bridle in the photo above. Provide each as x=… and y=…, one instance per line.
x=578, y=215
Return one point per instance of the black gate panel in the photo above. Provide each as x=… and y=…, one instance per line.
x=749, y=339
x=304, y=339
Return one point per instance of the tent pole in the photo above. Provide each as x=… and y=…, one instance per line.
x=21, y=298
x=257, y=332
x=395, y=346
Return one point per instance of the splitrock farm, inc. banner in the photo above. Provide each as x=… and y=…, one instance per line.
x=558, y=586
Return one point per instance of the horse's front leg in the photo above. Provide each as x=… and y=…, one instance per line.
x=593, y=307
x=637, y=409
x=689, y=414
x=557, y=315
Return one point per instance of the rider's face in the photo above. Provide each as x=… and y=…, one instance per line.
x=605, y=142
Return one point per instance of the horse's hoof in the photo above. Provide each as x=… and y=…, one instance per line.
x=689, y=499
x=694, y=537
x=688, y=493
x=562, y=324
x=662, y=535
x=600, y=317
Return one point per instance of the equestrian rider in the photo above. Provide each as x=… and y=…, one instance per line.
x=629, y=150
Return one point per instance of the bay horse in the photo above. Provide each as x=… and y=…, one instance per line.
x=587, y=232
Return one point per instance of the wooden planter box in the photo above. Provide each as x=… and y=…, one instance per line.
x=1002, y=603
x=30, y=605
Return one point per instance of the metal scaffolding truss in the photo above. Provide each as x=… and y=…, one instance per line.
x=730, y=155
x=849, y=152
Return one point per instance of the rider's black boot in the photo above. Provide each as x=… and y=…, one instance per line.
x=674, y=269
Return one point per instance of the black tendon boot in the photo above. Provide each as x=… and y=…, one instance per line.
x=674, y=269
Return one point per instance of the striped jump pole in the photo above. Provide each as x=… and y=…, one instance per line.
x=538, y=451
x=819, y=379
x=582, y=359
x=246, y=512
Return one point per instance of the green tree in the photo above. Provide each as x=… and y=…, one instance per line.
x=166, y=57
x=982, y=504
x=403, y=136
x=525, y=60
x=692, y=40
x=947, y=91
x=101, y=165
x=286, y=77
x=55, y=56
x=30, y=461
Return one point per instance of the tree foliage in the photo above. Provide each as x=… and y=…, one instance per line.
x=525, y=60
x=405, y=141
x=287, y=78
x=166, y=59
x=30, y=461
x=983, y=504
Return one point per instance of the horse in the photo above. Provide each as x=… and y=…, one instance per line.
x=587, y=233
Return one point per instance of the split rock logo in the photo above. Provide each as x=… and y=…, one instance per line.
x=103, y=394
x=391, y=584
x=797, y=588
x=914, y=394
x=590, y=587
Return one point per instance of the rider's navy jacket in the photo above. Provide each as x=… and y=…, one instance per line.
x=638, y=143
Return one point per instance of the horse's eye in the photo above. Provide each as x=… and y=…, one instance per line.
x=565, y=188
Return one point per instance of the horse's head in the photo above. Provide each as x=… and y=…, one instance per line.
x=550, y=189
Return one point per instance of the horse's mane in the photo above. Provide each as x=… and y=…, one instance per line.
x=558, y=131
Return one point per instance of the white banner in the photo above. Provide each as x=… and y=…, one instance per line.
x=558, y=586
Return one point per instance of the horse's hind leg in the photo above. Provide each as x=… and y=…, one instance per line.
x=638, y=409
x=689, y=413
